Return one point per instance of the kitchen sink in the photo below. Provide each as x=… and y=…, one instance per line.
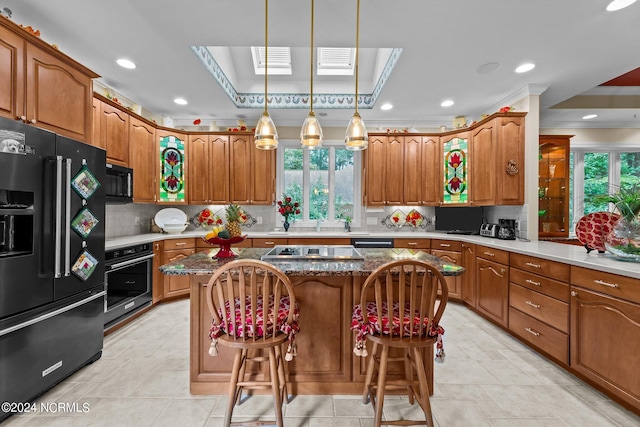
x=312, y=252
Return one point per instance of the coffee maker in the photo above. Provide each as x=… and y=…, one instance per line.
x=507, y=230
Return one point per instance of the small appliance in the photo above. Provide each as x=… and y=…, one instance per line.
x=489, y=230
x=507, y=229
x=119, y=184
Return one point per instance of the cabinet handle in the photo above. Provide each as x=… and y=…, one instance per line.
x=32, y=121
x=502, y=270
x=445, y=245
x=574, y=294
x=268, y=243
x=532, y=332
x=533, y=282
x=611, y=285
x=489, y=253
x=412, y=243
x=532, y=304
x=530, y=264
x=180, y=243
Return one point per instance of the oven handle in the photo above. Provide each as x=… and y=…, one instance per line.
x=131, y=261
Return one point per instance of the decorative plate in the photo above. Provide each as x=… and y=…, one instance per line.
x=170, y=216
x=592, y=228
x=206, y=219
x=414, y=218
x=398, y=218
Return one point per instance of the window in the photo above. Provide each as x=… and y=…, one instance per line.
x=323, y=180
x=599, y=172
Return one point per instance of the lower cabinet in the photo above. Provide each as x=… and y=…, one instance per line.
x=450, y=252
x=175, y=249
x=157, y=278
x=468, y=279
x=492, y=276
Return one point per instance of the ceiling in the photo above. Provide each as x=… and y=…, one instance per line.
x=576, y=46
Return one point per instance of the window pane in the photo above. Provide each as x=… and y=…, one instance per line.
x=596, y=180
x=629, y=170
x=343, y=199
x=293, y=175
x=319, y=188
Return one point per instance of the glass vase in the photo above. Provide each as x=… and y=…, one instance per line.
x=286, y=225
x=624, y=240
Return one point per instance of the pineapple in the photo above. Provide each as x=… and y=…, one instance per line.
x=233, y=217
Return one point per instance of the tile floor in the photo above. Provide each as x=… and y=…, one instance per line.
x=488, y=379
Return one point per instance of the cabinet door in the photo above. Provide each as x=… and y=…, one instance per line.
x=453, y=282
x=199, y=166
x=51, y=84
x=430, y=171
x=510, y=164
x=114, y=132
x=605, y=342
x=553, y=186
x=12, y=82
x=176, y=285
x=240, y=174
x=493, y=290
x=217, y=170
x=467, y=280
x=263, y=182
x=394, y=165
x=374, y=194
x=96, y=135
x=455, y=169
x=157, y=286
x=143, y=154
x=482, y=182
x=413, y=168
x=172, y=167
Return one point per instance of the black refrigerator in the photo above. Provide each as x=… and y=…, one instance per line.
x=52, y=235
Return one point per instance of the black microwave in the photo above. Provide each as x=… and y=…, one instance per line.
x=119, y=185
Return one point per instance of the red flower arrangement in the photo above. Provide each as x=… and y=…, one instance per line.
x=287, y=207
x=506, y=109
x=197, y=122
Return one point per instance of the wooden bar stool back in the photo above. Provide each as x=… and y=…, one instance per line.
x=254, y=312
x=413, y=286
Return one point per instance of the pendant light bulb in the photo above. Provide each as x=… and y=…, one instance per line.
x=356, y=138
x=266, y=136
x=311, y=132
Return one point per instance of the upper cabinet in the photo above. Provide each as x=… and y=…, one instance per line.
x=208, y=178
x=252, y=173
x=143, y=156
x=113, y=128
x=36, y=79
x=553, y=186
x=172, y=167
x=455, y=169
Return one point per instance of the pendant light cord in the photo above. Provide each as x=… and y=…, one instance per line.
x=357, y=48
x=311, y=60
x=266, y=50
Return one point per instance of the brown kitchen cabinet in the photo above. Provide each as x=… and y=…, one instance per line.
x=268, y=243
x=178, y=170
x=319, y=241
x=42, y=86
x=421, y=244
x=420, y=172
x=467, y=281
x=252, y=173
x=605, y=332
x=114, y=132
x=143, y=156
x=553, y=186
x=453, y=167
x=453, y=282
x=157, y=278
x=492, y=276
x=208, y=169
x=383, y=174
x=175, y=249
x=96, y=139
x=482, y=168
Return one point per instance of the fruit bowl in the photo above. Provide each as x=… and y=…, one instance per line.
x=225, y=245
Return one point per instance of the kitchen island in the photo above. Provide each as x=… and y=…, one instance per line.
x=326, y=291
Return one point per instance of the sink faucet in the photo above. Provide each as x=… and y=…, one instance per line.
x=318, y=224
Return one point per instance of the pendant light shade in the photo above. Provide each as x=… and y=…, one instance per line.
x=266, y=136
x=311, y=132
x=357, y=138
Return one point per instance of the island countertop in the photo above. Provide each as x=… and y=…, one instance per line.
x=203, y=263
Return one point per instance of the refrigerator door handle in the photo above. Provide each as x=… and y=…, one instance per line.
x=67, y=222
x=58, y=218
x=51, y=314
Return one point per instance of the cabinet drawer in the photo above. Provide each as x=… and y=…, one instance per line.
x=445, y=245
x=268, y=243
x=541, y=266
x=170, y=244
x=541, y=284
x=540, y=335
x=544, y=308
x=497, y=255
x=623, y=287
x=318, y=241
x=414, y=243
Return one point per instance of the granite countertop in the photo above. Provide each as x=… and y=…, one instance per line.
x=203, y=263
x=568, y=254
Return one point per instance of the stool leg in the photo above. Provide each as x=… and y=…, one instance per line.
x=382, y=379
x=275, y=387
x=283, y=375
x=423, y=399
x=370, y=368
x=233, y=386
x=408, y=374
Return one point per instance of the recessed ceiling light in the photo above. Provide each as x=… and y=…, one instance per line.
x=180, y=101
x=525, y=67
x=619, y=4
x=589, y=116
x=386, y=106
x=446, y=103
x=125, y=63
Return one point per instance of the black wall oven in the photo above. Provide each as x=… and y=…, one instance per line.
x=128, y=281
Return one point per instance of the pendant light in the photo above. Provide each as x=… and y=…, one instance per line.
x=357, y=138
x=311, y=132
x=266, y=136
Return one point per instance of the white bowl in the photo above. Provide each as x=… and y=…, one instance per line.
x=174, y=228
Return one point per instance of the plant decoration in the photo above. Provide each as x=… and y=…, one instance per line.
x=287, y=207
x=506, y=109
x=625, y=200
x=623, y=242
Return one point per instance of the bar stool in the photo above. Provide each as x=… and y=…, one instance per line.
x=264, y=317
x=413, y=286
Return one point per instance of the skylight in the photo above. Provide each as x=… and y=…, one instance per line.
x=279, y=60
x=336, y=61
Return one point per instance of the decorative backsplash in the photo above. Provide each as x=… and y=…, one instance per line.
x=400, y=219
